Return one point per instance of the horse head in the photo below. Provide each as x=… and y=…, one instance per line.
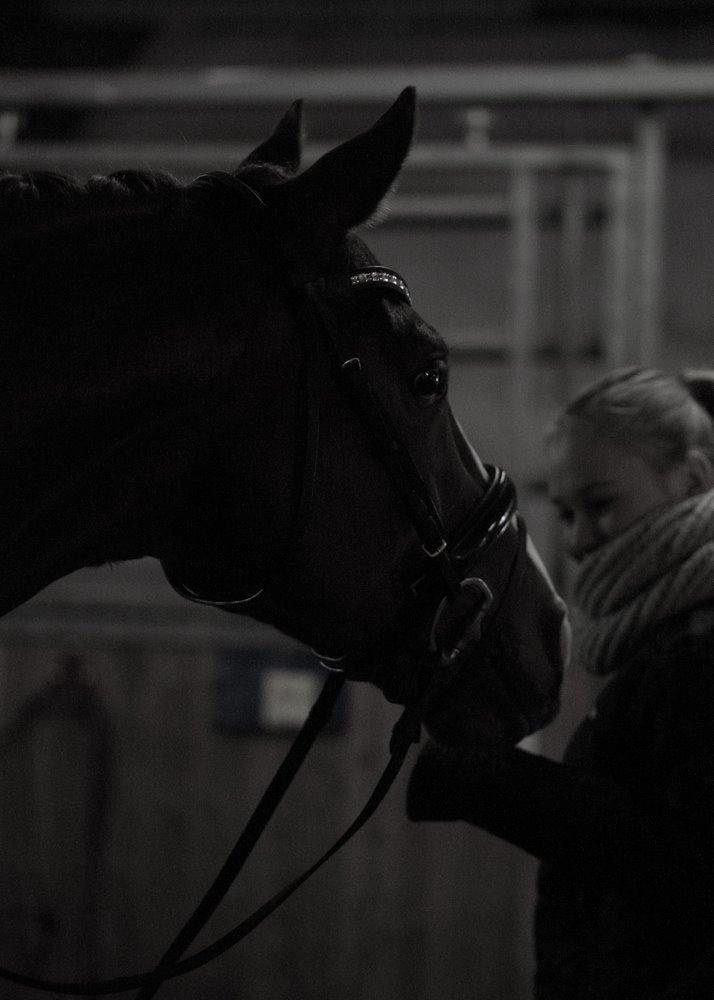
x=223, y=376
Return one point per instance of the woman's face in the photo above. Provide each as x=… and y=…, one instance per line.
x=599, y=486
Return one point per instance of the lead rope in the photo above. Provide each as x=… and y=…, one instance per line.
x=406, y=731
x=316, y=720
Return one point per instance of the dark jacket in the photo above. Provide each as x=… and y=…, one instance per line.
x=624, y=826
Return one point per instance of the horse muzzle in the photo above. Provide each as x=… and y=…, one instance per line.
x=486, y=661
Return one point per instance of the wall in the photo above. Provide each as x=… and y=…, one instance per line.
x=404, y=911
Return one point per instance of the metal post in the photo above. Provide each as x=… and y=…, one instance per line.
x=620, y=251
x=572, y=264
x=523, y=321
x=651, y=153
x=9, y=128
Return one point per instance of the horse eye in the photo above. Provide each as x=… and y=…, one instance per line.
x=430, y=383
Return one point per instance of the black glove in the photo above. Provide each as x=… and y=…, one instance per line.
x=445, y=781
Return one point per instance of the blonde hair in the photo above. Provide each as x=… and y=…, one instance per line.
x=662, y=416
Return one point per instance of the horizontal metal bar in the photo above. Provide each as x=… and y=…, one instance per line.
x=534, y=156
x=493, y=346
x=180, y=158
x=273, y=12
x=195, y=157
x=635, y=81
x=445, y=208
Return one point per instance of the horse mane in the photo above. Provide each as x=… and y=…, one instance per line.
x=143, y=241
x=39, y=203
x=50, y=191
x=46, y=186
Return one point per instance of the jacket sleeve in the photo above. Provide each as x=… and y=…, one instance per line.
x=658, y=842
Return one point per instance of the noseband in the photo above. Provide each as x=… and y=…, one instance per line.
x=451, y=559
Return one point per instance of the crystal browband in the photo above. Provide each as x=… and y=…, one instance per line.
x=381, y=277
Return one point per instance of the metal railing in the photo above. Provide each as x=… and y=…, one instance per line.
x=637, y=81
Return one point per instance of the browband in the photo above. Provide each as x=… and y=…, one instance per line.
x=380, y=276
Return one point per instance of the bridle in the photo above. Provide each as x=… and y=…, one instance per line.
x=489, y=529
x=326, y=301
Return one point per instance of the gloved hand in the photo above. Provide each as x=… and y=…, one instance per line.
x=445, y=780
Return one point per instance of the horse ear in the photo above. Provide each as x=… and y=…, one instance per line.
x=284, y=147
x=345, y=186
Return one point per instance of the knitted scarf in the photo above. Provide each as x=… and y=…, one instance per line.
x=660, y=565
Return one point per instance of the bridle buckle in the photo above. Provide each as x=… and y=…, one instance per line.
x=437, y=551
x=472, y=590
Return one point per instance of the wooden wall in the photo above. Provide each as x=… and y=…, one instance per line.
x=406, y=911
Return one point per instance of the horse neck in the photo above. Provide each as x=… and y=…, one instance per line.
x=91, y=458
x=113, y=371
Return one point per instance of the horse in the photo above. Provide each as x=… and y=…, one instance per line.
x=173, y=387
x=221, y=375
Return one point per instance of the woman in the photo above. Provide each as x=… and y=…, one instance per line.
x=624, y=826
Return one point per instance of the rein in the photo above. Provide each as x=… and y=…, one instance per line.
x=450, y=558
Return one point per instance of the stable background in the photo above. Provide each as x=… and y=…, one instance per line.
x=554, y=220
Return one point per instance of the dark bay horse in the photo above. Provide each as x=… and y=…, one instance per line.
x=220, y=375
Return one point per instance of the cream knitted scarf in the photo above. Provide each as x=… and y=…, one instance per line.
x=660, y=565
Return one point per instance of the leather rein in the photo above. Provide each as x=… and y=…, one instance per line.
x=449, y=558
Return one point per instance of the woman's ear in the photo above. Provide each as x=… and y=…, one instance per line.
x=700, y=472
